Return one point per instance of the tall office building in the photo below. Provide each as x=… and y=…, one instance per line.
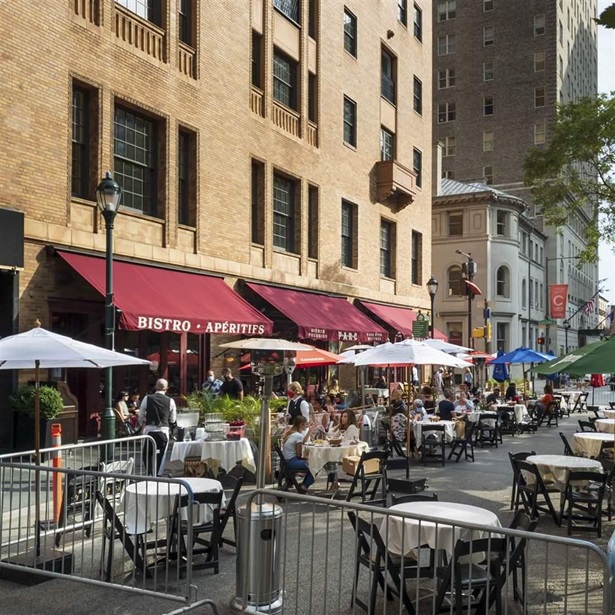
x=275, y=160
x=500, y=69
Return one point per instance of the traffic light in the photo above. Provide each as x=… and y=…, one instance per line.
x=488, y=331
x=541, y=340
x=478, y=332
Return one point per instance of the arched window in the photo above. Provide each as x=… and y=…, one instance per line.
x=502, y=282
x=455, y=283
x=524, y=293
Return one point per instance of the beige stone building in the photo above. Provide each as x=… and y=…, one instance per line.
x=281, y=145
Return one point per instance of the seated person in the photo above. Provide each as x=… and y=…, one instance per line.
x=463, y=405
x=121, y=406
x=346, y=429
x=446, y=408
x=493, y=399
x=428, y=398
x=340, y=402
x=319, y=415
x=399, y=421
x=511, y=392
x=292, y=441
x=543, y=404
x=418, y=412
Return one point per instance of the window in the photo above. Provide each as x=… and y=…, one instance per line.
x=488, y=71
x=402, y=11
x=418, y=96
x=501, y=282
x=446, y=78
x=416, y=264
x=540, y=133
x=524, y=296
x=387, y=248
x=258, y=202
x=350, y=121
x=539, y=61
x=312, y=98
x=387, y=90
x=185, y=22
x=350, y=33
x=455, y=224
x=487, y=105
x=148, y=9
x=501, y=336
x=539, y=96
x=446, y=112
x=313, y=222
x=488, y=36
x=455, y=281
x=418, y=22
x=387, y=145
x=446, y=44
x=186, y=177
x=501, y=223
x=134, y=154
x=257, y=59
x=539, y=25
x=448, y=174
x=80, y=161
x=487, y=5
x=488, y=175
x=289, y=8
x=349, y=235
x=284, y=214
x=450, y=146
x=488, y=141
x=454, y=330
x=417, y=166
x=284, y=79
x=312, y=19
x=447, y=9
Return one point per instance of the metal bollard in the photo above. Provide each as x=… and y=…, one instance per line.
x=57, y=484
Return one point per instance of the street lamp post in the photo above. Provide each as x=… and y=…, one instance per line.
x=566, y=328
x=468, y=269
x=432, y=288
x=108, y=196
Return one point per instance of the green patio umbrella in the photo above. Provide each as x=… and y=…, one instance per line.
x=596, y=358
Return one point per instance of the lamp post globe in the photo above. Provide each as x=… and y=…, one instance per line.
x=108, y=197
x=432, y=289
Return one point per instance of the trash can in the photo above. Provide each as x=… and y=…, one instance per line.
x=259, y=548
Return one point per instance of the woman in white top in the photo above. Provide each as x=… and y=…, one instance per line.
x=463, y=405
x=346, y=429
x=320, y=416
x=292, y=441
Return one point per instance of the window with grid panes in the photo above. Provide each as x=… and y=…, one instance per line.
x=450, y=147
x=539, y=61
x=488, y=141
x=418, y=23
x=387, y=238
x=487, y=5
x=447, y=9
x=501, y=223
x=348, y=246
x=186, y=177
x=488, y=36
x=387, y=88
x=402, y=11
x=134, y=155
x=417, y=165
x=387, y=145
x=312, y=23
x=284, y=213
x=487, y=105
x=257, y=59
x=284, y=79
x=446, y=78
x=455, y=281
x=455, y=224
x=488, y=175
x=539, y=96
x=350, y=121
x=350, y=33
x=416, y=263
x=501, y=336
x=80, y=165
x=447, y=44
x=539, y=25
x=289, y=8
x=448, y=174
x=148, y=9
x=540, y=133
x=446, y=112
x=488, y=71
x=185, y=22
x=501, y=282
x=418, y=96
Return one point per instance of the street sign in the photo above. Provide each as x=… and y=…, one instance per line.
x=548, y=321
x=420, y=328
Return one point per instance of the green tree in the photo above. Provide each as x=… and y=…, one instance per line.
x=607, y=17
x=574, y=169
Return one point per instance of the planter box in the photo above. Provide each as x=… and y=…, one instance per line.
x=23, y=430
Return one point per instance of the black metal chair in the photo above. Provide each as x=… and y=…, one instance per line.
x=433, y=443
x=514, y=494
x=567, y=448
x=516, y=554
x=365, y=477
x=607, y=450
x=487, y=430
x=392, y=443
x=77, y=506
x=580, y=404
x=227, y=513
x=460, y=445
x=586, y=426
x=534, y=494
x=552, y=414
x=414, y=497
x=580, y=503
x=287, y=478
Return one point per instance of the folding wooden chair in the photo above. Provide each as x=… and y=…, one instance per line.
x=228, y=512
x=534, y=494
x=487, y=430
x=460, y=445
x=516, y=554
x=433, y=443
x=287, y=478
x=567, y=448
x=586, y=426
x=514, y=494
x=582, y=503
x=365, y=477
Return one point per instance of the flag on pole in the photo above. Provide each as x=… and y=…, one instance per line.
x=589, y=306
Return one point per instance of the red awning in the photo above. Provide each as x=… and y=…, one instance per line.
x=166, y=300
x=320, y=317
x=473, y=288
x=398, y=318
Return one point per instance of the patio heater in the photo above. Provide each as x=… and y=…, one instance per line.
x=108, y=196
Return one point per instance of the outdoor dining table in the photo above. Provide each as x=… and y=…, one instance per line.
x=605, y=425
x=320, y=455
x=555, y=468
x=218, y=453
x=588, y=443
x=449, y=429
x=147, y=501
x=520, y=410
x=404, y=536
x=608, y=413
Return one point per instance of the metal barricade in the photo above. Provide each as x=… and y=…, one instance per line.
x=328, y=567
x=116, y=526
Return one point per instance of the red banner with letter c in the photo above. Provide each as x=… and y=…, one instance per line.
x=558, y=297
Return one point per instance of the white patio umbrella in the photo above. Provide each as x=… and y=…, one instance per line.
x=41, y=349
x=264, y=343
x=446, y=346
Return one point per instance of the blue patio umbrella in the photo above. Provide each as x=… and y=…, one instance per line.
x=500, y=371
x=520, y=356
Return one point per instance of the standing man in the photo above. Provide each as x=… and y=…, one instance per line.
x=415, y=376
x=158, y=412
x=231, y=386
x=437, y=380
x=212, y=384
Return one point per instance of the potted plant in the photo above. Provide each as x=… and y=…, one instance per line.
x=22, y=402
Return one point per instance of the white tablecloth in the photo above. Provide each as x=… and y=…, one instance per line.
x=609, y=413
x=148, y=501
x=606, y=425
x=449, y=430
x=404, y=535
x=588, y=443
x=319, y=456
x=224, y=453
x=555, y=468
x=518, y=409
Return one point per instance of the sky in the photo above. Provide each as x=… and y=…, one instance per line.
x=606, y=83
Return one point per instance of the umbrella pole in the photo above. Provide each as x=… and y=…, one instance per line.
x=37, y=456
